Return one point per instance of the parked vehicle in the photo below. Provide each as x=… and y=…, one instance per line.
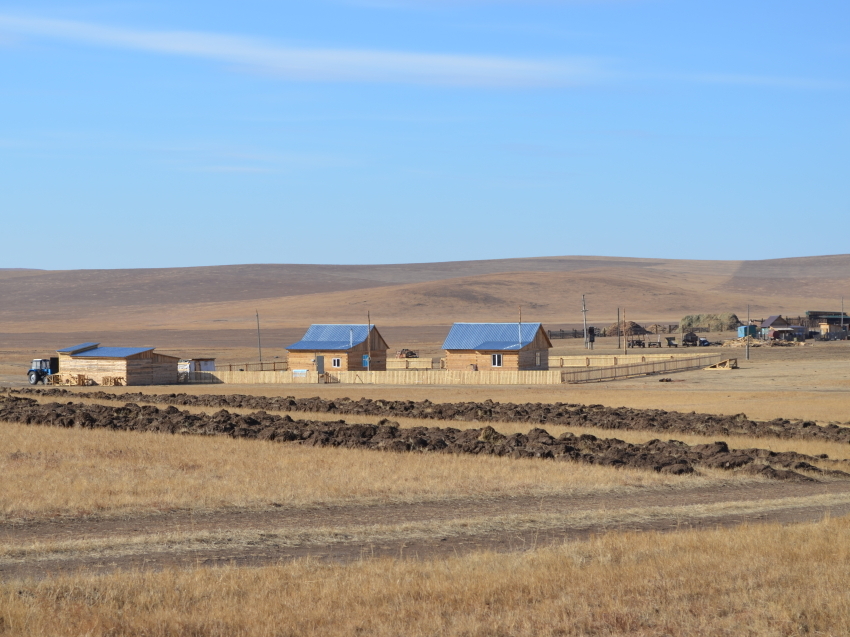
x=41, y=369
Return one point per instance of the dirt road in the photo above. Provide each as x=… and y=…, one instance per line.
x=39, y=548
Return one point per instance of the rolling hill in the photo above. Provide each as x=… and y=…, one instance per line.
x=211, y=299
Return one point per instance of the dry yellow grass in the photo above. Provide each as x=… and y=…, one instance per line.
x=48, y=471
x=753, y=580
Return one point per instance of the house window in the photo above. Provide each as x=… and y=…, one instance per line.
x=366, y=361
x=336, y=362
x=497, y=360
x=537, y=359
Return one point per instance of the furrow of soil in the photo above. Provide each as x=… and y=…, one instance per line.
x=670, y=456
x=563, y=414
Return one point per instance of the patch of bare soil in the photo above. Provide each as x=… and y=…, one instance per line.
x=667, y=457
x=447, y=528
x=562, y=414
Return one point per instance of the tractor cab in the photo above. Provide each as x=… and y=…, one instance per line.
x=41, y=369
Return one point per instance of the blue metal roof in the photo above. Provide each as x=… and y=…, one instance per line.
x=77, y=348
x=112, y=352
x=331, y=337
x=490, y=336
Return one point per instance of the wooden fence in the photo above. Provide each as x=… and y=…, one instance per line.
x=608, y=360
x=446, y=377
x=411, y=363
x=595, y=374
x=275, y=366
x=249, y=378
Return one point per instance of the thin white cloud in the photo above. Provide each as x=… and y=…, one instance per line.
x=340, y=65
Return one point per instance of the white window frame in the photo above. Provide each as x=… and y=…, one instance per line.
x=336, y=362
x=537, y=358
x=496, y=360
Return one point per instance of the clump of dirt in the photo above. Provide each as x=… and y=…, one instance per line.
x=667, y=457
x=563, y=414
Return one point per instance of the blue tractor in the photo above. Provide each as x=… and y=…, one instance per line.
x=41, y=369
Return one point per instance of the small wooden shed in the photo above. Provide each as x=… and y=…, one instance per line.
x=118, y=365
x=339, y=348
x=497, y=347
x=190, y=365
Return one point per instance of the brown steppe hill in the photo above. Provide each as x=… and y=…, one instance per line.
x=293, y=296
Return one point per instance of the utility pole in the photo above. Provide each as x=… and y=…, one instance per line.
x=259, y=345
x=625, y=338
x=584, y=314
x=368, y=342
x=619, y=331
x=748, y=332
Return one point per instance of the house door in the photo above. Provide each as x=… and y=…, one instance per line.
x=320, y=364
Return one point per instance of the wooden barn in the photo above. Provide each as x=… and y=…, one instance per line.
x=117, y=365
x=497, y=346
x=339, y=348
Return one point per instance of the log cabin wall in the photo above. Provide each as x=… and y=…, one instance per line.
x=350, y=360
x=525, y=359
x=146, y=368
x=93, y=368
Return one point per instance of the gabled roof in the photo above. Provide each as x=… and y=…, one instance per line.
x=491, y=336
x=336, y=337
x=77, y=348
x=770, y=320
x=111, y=352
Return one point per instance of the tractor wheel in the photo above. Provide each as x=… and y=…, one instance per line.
x=33, y=378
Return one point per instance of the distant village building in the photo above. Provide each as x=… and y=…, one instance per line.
x=819, y=317
x=773, y=322
x=497, y=347
x=339, y=348
x=118, y=365
x=191, y=365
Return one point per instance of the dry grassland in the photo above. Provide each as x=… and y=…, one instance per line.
x=50, y=471
x=766, y=580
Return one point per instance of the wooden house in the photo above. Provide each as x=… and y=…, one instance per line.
x=497, y=346
x=117, y=365
x=339, y=348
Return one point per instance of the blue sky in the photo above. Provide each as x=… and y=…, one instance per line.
x=152, y=134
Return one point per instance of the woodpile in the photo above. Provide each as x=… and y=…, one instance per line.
x=742, y=342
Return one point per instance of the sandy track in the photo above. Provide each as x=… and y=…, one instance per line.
x=415, y=530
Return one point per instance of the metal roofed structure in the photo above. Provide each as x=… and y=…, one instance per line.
x=77, y=348
x=348, y=347
x=491, y=336
x=771, y=321
x=94, y=365
x=331, y=337
x=497, y=346
x=110, y=352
